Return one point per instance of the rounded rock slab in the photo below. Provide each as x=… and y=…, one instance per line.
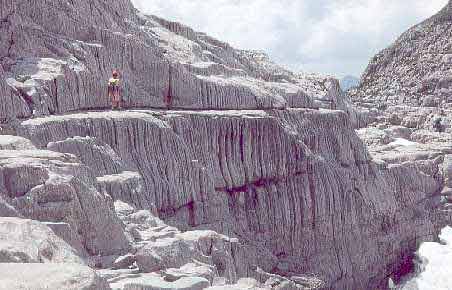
x=28, y=241
x=155, y=282
x=50, y=277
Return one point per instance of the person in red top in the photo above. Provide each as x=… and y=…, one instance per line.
x=114, y=91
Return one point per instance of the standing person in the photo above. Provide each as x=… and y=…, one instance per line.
x=114, y=91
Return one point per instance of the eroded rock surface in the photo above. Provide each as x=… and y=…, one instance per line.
x=54, y=187
x=250, y=171
x=59, y=276
x=277, y=180
x=27, y=241
x=413, y=71
x=54, y=65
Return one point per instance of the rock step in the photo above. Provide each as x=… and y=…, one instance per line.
x=100, y=157
x=29, y=241
x=60, y=276
x=53, y=187
x=154, y=281
x=9, y=142
x=127, y=187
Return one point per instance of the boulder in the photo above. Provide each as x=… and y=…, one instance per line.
x=8, y=142
x=154, y=281
x=61, y=276
x=123, y=262
x=196, y=269
x=6, y=210
x=245, y=283
x=27, y=241
x=54, y=187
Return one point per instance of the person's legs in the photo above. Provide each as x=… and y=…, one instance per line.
x=111, y=95
x=113, y=103
x=118, y=100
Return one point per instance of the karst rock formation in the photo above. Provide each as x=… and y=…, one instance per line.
x=223, y=170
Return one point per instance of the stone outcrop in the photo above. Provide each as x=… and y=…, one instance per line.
x=26, y=241
x=49, y=186
x=276, y=179
x=413, y=71
x=250, y=171
x=52, y=65
x=59, y=276
x=407, y=87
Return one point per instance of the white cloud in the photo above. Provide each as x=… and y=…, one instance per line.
x=329, y=36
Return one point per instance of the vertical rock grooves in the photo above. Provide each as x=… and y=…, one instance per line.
x=247, y=152
x=298, y=182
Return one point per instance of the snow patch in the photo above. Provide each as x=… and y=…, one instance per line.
x=436, y=265
x=402, y=142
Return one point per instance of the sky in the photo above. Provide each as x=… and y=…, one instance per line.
x=336, y=37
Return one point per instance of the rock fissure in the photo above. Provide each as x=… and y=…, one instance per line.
x=264, y=182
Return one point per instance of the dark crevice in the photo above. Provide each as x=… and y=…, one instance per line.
x=312, y=193
x=28, y=99
x=169, y=93
x=56, y=95
x=11, y=43
x=263, y=182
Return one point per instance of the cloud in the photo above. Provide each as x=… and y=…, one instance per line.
x=327, y=36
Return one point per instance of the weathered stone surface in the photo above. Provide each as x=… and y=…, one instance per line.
x=155, y=152
x=49, y=186
x=207, y=247
x=52, y=65
x=6, y=210
x=196, y=269
x=293, y=191
x=155, y=282
x=124, y=262
x=277, y=179
x=410, y=86
x=374, y=136
x=399, y=132
x=126, y=186
x=415, y=70
x=27, y=241
x=68, y=234
x=61, y=276
x=8, y=142
x=101, y=158
x=242, y=284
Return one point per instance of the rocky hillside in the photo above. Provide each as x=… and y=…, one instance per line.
x=224, y=171
x=56, y=57
x=416, y=69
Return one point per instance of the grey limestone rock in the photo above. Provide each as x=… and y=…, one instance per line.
x=52, y=65
x=155, y=282
x=61, y=276
x=8, y=142
x=196, y=269
x=242, y=284
x=49, y=186
x=27, y=241
x=414, y=70
x=276, y=179
x=99, y=157
x=126, y=186
x=241, y=147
